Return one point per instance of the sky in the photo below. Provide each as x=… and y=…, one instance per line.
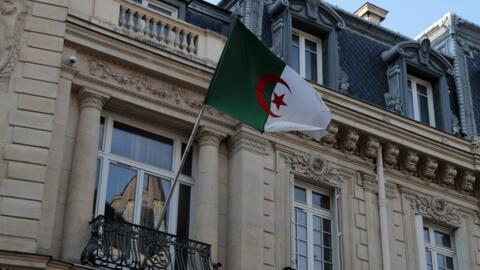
x=411, y=17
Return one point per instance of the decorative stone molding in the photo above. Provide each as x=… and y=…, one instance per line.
x=169, y=92
x=314, y=167
x=429, y=168
x=468, y=181
x=371, y=147
x=447, y=175
x=92, y=100
x=11, y=28
x=350, y=140
x=208, y=137
x=436, y=208
x=410, y=162
x=391, y=153
x=370, y=184
x=247, y=141
x=330, y=139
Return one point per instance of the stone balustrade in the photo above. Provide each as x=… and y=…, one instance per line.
x=166, y=32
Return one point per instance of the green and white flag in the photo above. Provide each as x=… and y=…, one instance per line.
x=254, y=86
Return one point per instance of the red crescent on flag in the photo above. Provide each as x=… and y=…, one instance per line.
x=261, y=83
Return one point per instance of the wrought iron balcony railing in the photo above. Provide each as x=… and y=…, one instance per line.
x=116, y=244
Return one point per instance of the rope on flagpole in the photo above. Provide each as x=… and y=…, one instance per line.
x=180, y=167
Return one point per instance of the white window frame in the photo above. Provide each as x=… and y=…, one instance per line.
x=310, y=211
x=145, y=3
x=301, y=41
x=437, y=249
x=106, y=158
x=416, y=110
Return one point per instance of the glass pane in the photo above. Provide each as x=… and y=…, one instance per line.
x=295, y=54
x=187, y=167
x=302, y=247
x=327, y=240
x=442, y=239
x=317, y=252
x=320, y=200
x=311, y=66
x=97, y=179
x=121, y=186
x=183, y=219
x=429, y=259
x=327, y=254
x=160, y=9
x=409, y=83
x=310, y=46
x=421, y=89
x=441, y=261
x=449, y=263
x=327, y=266
x=409, y=104
x=302, y=263
x=423, y=109
x=317, y=238
x=317, y=265
x=101, y=133
x=155, y=191
x=317, y=223
x=300, y=195
x=142, y=146
x=327, y=225
x=301, y=218
x=301, y=233
x=426, y=235
x=138, y=1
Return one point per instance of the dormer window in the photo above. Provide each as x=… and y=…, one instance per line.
x=159, y=7
x=420, y=101
x=306, y=56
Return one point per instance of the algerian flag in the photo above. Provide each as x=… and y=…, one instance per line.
x=252, y=85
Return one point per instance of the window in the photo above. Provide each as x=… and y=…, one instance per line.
x=135, y=170
x=314, y=229
x=439, y=248
x=158, y=6
x=306, y=56
x=420, y=101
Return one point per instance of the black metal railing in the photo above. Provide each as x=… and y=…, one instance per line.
x=116, y=244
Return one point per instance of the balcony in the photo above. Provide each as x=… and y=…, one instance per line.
x=167, y=33
x=116, y=244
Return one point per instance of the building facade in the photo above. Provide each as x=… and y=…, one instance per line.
x=98, y=99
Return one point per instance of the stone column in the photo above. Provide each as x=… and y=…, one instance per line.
x=206, y=191
x=245, y=201
x=81, y=188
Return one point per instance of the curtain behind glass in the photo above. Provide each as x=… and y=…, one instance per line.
x=142, y=146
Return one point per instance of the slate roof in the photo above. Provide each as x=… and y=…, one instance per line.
x=473, y=65
x=360, y=58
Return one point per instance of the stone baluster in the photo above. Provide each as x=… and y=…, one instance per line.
x=176, y=43
x=170, y=35
x=147, y=30
x=140, y=25
x=184, y=41
x=192, y=47
x=122, y=22
x=154, y=31
x=161, y=33
x=81, y=188
x=131, y=22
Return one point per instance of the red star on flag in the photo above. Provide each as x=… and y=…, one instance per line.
x=278, y=100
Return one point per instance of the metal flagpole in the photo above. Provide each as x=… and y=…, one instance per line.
x=182, y=162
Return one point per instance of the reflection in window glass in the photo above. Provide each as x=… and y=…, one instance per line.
x=322, y=201
x=155, y=191
x=121, y=186
x=300, y=195
x=442, y=239
x=295, y=54
x=142, y=146
x=311, y=71
x=101, y=133
x=187, y=167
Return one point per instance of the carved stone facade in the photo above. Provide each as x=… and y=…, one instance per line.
x=315, y=168
x=11, y=25
x=436, y=208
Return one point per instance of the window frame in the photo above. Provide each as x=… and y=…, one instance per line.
x=310, y=211
x=431, y=107
x=146, y=3
x=106, y=158
x=301, y=42
x=437, y=249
